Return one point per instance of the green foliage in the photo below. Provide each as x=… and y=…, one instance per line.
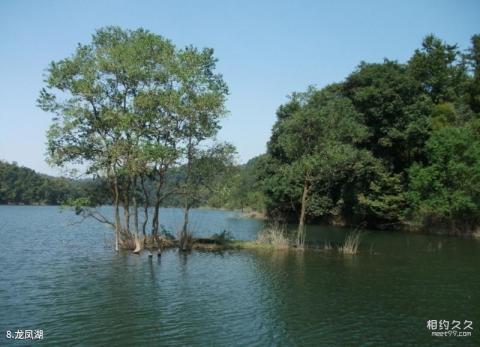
x=206, y=169
x=472, y=60
x=130, y=106
x=390, y=143
x=20, y=185
x=383, y=199
x=105, y=95
x=446, y=190
x=239, y=187
x=313, y=149
x=443, y=115
x=395, y=111
x=223, y=238
x=437, y=67
x=79, y=204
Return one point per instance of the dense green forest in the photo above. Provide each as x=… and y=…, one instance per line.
x=21, y=185
x=236, y=187
x=393, y=145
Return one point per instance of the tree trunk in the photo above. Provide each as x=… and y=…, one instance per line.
x=185, y=217
x=118, y=224
x=301, y=221
x=185, y=238
x=135, y=206
x=138, y=242
x=155, y=221
x=156, y=212
x=146, y=205
x=126, y=206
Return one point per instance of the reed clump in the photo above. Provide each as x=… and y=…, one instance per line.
x=275, y=236
x=186, y=241
x=351, y=244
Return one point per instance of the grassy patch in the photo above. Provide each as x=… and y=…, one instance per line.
x=351, y=244
x=274, y=236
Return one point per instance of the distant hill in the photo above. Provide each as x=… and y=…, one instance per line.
x=21, y=185
x=237, y=188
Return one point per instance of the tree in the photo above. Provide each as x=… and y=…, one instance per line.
x=472, y=59
x=360, y=151
x=380, y=199
x=201, y=98
x=127, y=107
x=313, y=149
x=201, y=172
x=437, y=67
x=94, y=95
x=394, y=111
x=445, y=192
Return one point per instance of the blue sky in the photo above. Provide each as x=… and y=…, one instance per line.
x=266, y=50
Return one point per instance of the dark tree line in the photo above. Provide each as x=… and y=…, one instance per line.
x=21, y=185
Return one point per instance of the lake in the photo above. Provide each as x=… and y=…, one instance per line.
x=66, y=280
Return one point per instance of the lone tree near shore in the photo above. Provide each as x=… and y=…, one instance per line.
x=128, y=107
x=314, y=143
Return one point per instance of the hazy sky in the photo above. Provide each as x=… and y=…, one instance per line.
x=266, y=50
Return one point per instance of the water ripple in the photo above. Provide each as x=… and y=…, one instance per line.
x=64, y=281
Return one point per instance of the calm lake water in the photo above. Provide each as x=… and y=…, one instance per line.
x=67, y=281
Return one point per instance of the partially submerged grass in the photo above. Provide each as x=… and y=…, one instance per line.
x=351, y=244
x=232, y=245
x=222, y=238
x=275, y=236
x=185, y=240
x=476, y=234
x=327, y=246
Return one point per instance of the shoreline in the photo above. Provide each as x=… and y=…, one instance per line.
x=406, y=228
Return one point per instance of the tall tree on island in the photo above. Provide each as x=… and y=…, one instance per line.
x=122, y=105
x=201, y=106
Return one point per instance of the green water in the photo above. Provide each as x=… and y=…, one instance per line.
x=66, y=280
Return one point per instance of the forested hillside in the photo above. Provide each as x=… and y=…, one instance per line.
x=392, y=145
x=21, y=185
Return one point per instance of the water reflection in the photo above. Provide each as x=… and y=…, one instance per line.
x=85, y=294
